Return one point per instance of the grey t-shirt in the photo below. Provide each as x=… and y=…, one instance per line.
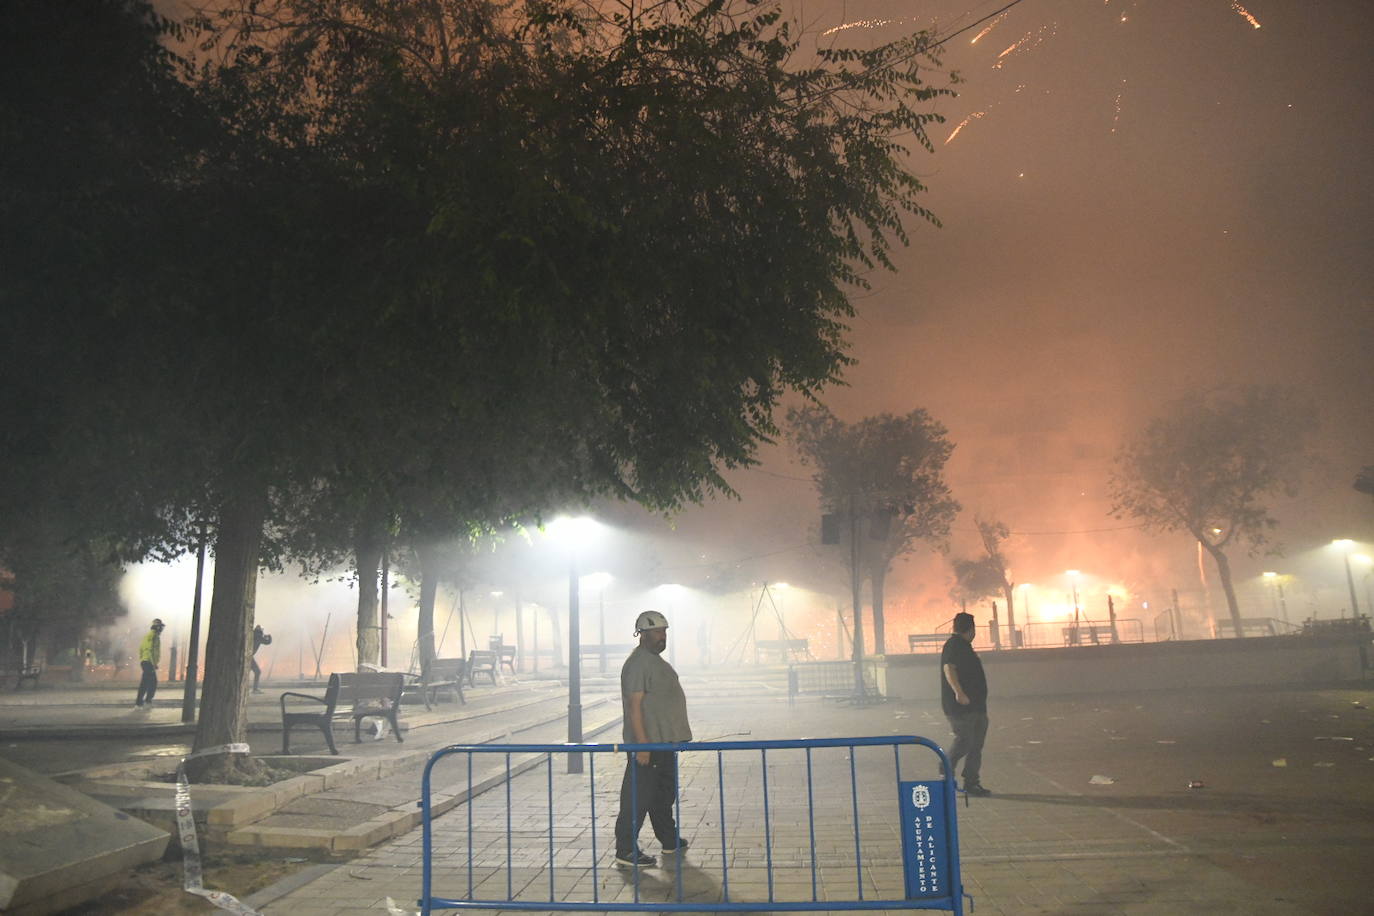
x=665, y=705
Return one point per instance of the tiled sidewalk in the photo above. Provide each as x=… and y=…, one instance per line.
x=1039, y=846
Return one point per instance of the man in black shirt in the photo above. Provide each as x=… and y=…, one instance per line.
x=964, y=698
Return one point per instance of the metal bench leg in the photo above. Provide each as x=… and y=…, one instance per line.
x=328, y=728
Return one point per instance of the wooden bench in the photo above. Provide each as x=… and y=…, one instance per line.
x=917, y=641
x=505, y=654
x=445, y=674
x=483, y=661
x=355, y=695
x=1088, y=633
x=604, y=654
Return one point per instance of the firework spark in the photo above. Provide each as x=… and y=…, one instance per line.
x=989, y=27
x=862, y=24
x=1026, y=42
x=1243, y=13
x=965, y=123
x=1116, y=117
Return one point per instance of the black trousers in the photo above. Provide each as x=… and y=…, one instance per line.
x=147, y=686
x=653, y=793
x=970, y=730
x=257, y=672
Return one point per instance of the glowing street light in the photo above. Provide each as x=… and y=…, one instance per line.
x=1346, y=546
x=573, y=532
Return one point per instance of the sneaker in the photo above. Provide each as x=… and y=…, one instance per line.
x=636, y=858
x=681, y=847
x=977, y=790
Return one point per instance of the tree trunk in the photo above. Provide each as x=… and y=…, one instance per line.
x=1224, y=574
x=229, y=637
x=368, y=552
x=429, y=588
x=877, y=582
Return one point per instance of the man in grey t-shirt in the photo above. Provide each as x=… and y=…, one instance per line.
x=655, y=713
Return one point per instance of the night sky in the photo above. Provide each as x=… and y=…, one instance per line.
x=1148, y=198
x=1145, y=198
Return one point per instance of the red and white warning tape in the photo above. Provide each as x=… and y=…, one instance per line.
x=190, y=848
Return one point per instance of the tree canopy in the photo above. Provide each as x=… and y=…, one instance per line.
x=440, y=264
x=1211, y=464
x=888, y=469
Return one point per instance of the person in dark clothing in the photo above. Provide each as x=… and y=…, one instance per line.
x=260, y=639
x=964, y=698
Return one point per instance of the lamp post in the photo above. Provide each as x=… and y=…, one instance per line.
x=1345, y=544
x=1073, y=587
x=572, y=532
x=1366, y=561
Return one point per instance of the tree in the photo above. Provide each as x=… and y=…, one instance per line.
x=563, y=253
x=1209, y=465
x=887, y=469
x=1364, y=481
x=987, y=575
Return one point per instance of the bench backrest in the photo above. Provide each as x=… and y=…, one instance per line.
x=447, y=669
x=482, y=658
x=360, y=686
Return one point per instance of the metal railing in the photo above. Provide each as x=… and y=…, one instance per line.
x=1085, y=633
x=829, y=678
x=773, y=855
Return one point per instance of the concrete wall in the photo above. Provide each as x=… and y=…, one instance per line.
x=1256, y=661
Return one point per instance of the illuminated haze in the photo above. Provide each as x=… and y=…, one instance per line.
x=1143, y=199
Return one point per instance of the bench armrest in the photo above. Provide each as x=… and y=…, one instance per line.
x=303, y=696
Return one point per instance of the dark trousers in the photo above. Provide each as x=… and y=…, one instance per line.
x=257, y=673
x=653, y=793
x=147, y=686
x=970, y=729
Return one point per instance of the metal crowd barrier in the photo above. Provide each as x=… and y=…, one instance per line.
x=867, y=839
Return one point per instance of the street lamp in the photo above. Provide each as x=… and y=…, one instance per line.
x=1366, y=561
x=1073, y=586
x=1346, y=545
x=572, y=532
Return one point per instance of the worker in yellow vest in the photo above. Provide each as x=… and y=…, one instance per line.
x=149, y=654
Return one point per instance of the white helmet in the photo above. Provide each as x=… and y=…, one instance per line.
x=650, y=620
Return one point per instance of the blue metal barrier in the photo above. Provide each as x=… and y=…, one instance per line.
x=919, y=814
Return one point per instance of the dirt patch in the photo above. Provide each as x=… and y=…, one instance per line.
x=157, y=888
x=265, y=772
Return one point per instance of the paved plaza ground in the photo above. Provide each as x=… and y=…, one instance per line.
x=1279, y=817
x=1253, y=838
